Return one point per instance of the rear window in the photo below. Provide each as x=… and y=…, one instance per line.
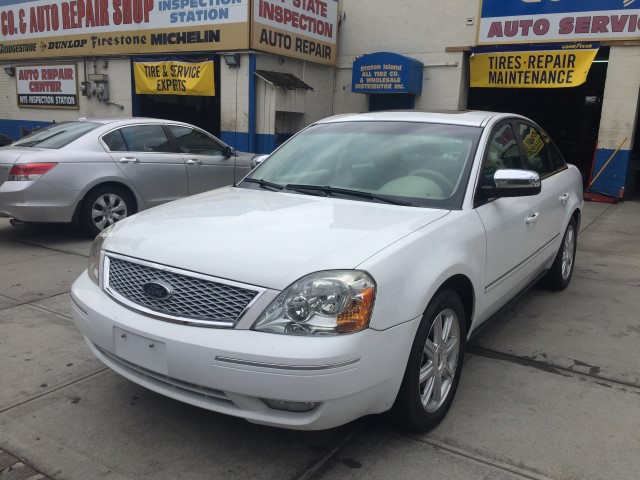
x=57, y=135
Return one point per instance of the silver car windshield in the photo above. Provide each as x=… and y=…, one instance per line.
x=57, y=135
x=421, y=164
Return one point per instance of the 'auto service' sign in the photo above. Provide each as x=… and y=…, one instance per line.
x=46, y=28
x=47, y=86
x=529, y=21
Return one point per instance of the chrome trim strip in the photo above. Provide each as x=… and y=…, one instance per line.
x=180, y=320
x=504, y=277
x=251, y=363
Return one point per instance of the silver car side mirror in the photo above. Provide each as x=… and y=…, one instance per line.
x=257, y=160
x=513, y=183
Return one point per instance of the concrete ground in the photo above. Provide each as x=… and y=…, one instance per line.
x=551, y=390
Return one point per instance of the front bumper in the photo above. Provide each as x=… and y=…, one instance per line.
x=37, y=201
x=231, y=370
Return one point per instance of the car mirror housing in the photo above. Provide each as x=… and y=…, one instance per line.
x=229, y=151
x=257, y=160
x=513, y=183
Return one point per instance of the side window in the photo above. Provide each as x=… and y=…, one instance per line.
x=194, y=141
x=114, y=141
x=146, y=138
x=537, y=149
x=503, y=152
x=556, y=157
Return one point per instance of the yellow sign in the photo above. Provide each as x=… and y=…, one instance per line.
x=564, y=67
x=174, y=78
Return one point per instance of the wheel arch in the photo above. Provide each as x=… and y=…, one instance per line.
x=577, y=216
x=462, y=285
x=113, y=183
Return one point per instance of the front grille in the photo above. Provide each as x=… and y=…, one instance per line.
x=193, y=297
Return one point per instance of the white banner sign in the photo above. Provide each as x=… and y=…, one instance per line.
x=47, y=86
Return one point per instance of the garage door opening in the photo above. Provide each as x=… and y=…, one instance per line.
x=571, y=116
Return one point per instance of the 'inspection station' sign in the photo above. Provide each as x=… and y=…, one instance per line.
x=545, y=66
x=47, y=86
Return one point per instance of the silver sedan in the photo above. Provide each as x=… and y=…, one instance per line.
x=95, y=172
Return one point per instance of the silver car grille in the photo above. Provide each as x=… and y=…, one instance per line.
x=195, y=299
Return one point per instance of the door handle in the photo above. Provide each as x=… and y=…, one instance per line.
x=193, y=161
x=564, y=197
x=532, y=218
x=129, y=160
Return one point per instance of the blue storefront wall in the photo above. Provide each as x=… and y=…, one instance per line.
x=14, y=128
x=612, y=178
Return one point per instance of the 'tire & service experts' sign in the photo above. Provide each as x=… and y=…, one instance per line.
x=385, y=72
x=55, y=28
x=305, y=29
x=47, y=86
x=537, y=66
x=527, y=21
x=174, y=77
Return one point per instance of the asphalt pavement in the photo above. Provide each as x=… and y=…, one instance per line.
x=550, y=390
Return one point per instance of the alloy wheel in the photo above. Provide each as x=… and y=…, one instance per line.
x=107, y=210
x=439, y=360
x=568, y=252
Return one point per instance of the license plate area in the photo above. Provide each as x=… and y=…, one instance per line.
x=139, y=350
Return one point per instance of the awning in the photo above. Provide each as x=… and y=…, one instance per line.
x=285, y=80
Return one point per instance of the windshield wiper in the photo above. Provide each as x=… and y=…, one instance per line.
x=264, y=184
x=329, y=190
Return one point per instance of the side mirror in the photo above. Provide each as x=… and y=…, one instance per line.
x=257, y=160
x=513, y=183
x=228, y=151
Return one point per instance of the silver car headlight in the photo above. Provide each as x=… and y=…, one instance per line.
x=323, y=303
x=94, y=256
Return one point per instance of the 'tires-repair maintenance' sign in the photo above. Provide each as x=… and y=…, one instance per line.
x=531, y=66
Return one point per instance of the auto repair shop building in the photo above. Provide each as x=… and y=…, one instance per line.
x=571, y=65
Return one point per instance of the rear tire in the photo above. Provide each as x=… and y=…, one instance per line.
x=104, y=207
x=561, y=271
x=435, y=362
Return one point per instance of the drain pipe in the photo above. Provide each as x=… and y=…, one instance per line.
x=252, y=104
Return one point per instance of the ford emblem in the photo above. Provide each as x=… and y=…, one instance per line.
x=157, y=290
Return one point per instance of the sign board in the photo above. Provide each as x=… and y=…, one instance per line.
x=47, y=86
x=174, y=77
x=55, y=28
x=538, y=66
x=305, y=29
x=529, y=21
x=385, y=72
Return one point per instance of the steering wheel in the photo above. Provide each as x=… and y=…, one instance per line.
x=443, y=182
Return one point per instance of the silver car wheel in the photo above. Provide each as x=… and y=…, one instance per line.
x=439, y=360
x=107, y=210
x=568, y=252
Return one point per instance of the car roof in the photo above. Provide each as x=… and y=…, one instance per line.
x=125, y=120
x=451, y=117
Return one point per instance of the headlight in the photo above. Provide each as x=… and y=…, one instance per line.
x=323, y=303
x=94, y=256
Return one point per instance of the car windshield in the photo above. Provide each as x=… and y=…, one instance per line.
x=57, y=135
x=422, y=164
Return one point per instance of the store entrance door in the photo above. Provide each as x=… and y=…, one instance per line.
x=571, y=116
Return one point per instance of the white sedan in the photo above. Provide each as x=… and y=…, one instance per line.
x=343, y=276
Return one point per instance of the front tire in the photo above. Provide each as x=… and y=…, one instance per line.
x=103, y=207
x=435, y=362
x=561, y=270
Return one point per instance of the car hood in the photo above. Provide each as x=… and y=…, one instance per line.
x=264, y=238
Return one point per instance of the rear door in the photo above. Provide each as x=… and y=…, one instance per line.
x=207, y=166
x=146, y=156
x=543, y=157
x=509, y=223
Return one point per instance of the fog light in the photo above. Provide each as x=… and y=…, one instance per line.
x=289, y=406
